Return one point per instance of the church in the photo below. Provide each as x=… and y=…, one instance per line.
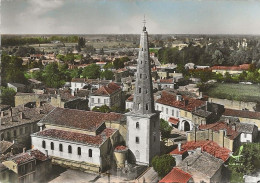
x=90, y=140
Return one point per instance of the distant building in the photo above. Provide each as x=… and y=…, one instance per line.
x=230, y=69
x=18, y=87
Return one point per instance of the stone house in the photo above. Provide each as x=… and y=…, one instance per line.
x=224, y=134
x=31, y=166
x=78, y=139
x=19, y=122
x=110, y=95
x=244, y=116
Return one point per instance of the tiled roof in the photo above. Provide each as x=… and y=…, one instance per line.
x=78, y=80
x=4, y=146
x=176, y=175
x=166, y=81
x=78, y=137
x=188, y=104
x=121, y=148
x=130, y=99
x=38, y=155
x=245, y=127
x=207, y=146
x=87, y=120
x=236, y=68
x=232, y=134
x=22, y=158
x=173, y=120
x=202, y=113
x=201, y=164
x=242, y=113
x=107, y=90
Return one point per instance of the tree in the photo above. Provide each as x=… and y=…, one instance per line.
x=91, y=72
x=103, y=108
x=165, y=129
x=120, y=62
x=52, y=76
x=163, y=164
x=107, y=74
x=81, y=42
x=7, y=96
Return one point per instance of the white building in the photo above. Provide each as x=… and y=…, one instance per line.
x=78, y=138
x=110, y=95
x=77, y=84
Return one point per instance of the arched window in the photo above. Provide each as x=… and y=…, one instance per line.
x=52, y=146
x=79, y=151
x=137, y=140
x=43, y=144
x=69, y=149
x=60, y=148
x=90, y=153
x=137, y=125
x=140, y=90
x=147, y=107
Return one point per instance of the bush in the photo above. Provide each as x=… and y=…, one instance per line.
x=163, y=164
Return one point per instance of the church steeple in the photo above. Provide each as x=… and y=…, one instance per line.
x=143, y=94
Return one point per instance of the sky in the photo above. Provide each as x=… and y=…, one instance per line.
x=126, y=16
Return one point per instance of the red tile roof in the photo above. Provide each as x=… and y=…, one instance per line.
x=176, y=175
x=187, y=104
x=87, y=120
x=38, y=155
x=166, y=81
x=78, y=137
x=173, y=120
x=236, y=68
x=231, y=134
x=242, y=113
x=207, y=146
x=107, y=90
x=130, y=99
x=121, y=148
x=22, y=158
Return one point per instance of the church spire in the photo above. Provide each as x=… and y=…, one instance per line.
x=143, y=94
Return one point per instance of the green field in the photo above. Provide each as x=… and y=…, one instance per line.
x=240, y=92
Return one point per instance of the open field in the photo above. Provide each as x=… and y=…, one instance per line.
x=243, y=92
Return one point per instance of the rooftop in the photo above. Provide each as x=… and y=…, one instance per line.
x=77, y=137
x=242, y=113
x=202, y=163
x=107, y=90
x=230, y=133
x=187, y=104
x=207, y=146
x=202, y=113
x=87, y=120
x=176, y=175
x=236, y=68
x=22, y=158
x=4, y=146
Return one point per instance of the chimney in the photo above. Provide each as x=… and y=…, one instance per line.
x=24, y=149
x=179, y=147
x=21, y=115
x=227, y=120
x=10, y=112
x=178, y=97
x=2, y=114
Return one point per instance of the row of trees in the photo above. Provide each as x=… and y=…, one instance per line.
x=209, y=55
x=18, y=40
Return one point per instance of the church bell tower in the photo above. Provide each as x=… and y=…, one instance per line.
x=143, y=137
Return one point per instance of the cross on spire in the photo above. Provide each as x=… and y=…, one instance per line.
x=144, y=21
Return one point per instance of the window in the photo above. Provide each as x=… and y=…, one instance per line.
x=177, y=114
x=92, y=100
x=98, y=100
x=79, y=151
x=90, y=153
x=157, y=107
x=69, y=149
x=147, y=107
x=21, y=131
x=43, y=144
x=2, y=136
x=8, y=135
x=52, y=146
x=140, y=90
x=60, y=148
x=162, y=109
x=146, y=91
x=137, y=125
x=137, y=140
x=166, y=110
x=185, y=114
x=142, y=49
x=140, y=75
x=173, y=112
x=15, y=133
x=244, y=135
x=154, y=138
